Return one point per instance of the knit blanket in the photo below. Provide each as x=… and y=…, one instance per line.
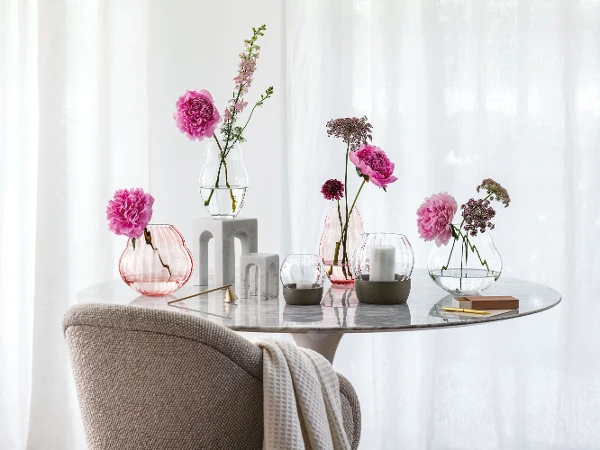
x=302, y=405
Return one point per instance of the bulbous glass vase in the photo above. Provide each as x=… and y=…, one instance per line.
x=159, y=264
x=339, y=271
x=466, y=265
x=223, y=181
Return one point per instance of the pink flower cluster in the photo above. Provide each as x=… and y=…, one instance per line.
x=196, y=114
x=243, y=80
x=129, y=212
x=434, y=218
x=374, y=165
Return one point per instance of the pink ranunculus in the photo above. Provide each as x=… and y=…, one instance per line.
x=197, y=115
x=434, y=218
x=374, y=165
x=129, y=212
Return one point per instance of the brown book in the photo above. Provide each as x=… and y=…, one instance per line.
x=486, y=303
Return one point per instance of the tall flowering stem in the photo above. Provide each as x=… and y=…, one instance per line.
x=197, y=116
x=372, y=165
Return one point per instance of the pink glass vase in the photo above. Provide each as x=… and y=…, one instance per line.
x=339, y=272
x=159, y=265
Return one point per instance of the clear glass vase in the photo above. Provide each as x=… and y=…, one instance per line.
x=467, y=265
x=159, y=264
x=223, y=181
x=339, y=270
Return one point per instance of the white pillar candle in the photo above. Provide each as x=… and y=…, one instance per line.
x=304, y=285
x=382, y=260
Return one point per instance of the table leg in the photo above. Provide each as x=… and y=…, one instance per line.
x=323, y=343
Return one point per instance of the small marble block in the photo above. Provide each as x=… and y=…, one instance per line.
x=266, y=278
x=223, y=231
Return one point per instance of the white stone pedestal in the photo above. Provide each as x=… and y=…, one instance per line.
x=266, y=278
x=223, y=231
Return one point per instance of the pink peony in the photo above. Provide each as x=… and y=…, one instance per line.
x=129, y=212
x=374, y=165
x=434, y=218
x=197, y=115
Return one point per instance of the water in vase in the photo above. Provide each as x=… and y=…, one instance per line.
x=224, y=202
x=464, y=281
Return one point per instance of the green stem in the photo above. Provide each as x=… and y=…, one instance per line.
x=222, y=161
x=148, y=239
x=345, y=231
x=337, y=244
x=454, y=242
x=343, y=237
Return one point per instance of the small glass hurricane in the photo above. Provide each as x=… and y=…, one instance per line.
x=302, y=277
x=382, y=265
x=383, y=257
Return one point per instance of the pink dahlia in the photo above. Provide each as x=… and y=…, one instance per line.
x=196, y=115
x=434, y=218
x=333, y=189
x=374, y=165
x=129, y=212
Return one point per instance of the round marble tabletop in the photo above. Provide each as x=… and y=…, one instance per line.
x=339, y=311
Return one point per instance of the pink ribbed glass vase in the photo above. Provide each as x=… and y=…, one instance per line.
x=159, y=265
x=339, y=272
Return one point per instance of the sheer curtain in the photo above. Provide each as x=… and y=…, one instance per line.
x=458, y=91
x=73, y=128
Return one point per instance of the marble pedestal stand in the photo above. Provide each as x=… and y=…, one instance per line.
x=266, y=279
x=223, y=231
x=325, y=344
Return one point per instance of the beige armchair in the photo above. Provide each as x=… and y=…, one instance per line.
x=153, y=379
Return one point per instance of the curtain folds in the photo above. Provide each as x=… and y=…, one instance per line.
x=456, y=90
x=73, y=128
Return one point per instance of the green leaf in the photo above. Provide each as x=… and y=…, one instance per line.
x=454, y=233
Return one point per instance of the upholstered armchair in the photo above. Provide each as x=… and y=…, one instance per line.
x=155, y=379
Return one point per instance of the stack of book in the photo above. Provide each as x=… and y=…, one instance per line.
x=477, y=305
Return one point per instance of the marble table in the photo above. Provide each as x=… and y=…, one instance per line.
x=321, y=327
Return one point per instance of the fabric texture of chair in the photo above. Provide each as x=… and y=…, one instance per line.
x=155, y=379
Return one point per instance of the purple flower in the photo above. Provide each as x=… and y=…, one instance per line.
x=495, y=191
x=196, y=115
x=434, y=218
x=374, y=165
x=477, y=214
x=351, y=130
x=129, y=212
x=333, y=189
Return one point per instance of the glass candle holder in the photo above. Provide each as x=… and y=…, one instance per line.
x=382, y=265
x=302, y=277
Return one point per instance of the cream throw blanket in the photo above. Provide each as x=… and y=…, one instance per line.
x=302, y=405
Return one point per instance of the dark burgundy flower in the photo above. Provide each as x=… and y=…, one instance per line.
x=333, y=189
x=477, y=214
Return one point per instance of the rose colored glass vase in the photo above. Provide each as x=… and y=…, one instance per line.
x=160, y=268
x=339, y=272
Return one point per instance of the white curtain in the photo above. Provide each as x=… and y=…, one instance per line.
x=73, y=128
x=457, y=91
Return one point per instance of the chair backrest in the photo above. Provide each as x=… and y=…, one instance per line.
x=154, y=379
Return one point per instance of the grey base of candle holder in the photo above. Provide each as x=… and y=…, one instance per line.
x=382, y=292
x=302, y=297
